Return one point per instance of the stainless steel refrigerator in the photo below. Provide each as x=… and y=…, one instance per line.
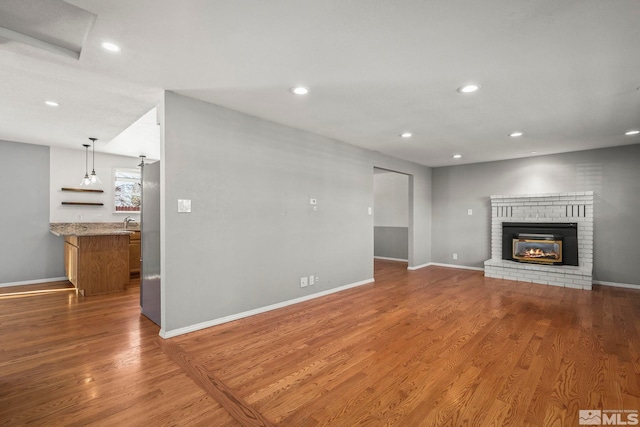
x=150, y=241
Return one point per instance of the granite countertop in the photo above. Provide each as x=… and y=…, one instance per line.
x=92, y=228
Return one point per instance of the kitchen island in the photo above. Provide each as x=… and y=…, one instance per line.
x=96, y=255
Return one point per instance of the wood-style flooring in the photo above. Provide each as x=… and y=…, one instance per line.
x=434, y=347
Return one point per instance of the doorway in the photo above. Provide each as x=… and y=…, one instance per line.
x=391, y=215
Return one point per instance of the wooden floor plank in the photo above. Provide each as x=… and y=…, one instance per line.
x=436, y=346
x=72, y=360
x=236, y=406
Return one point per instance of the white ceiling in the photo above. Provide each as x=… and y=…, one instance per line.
x=563, y=72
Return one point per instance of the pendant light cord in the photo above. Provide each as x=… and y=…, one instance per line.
x=86, y=160
x=93, y=170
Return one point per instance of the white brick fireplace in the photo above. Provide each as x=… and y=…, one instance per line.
x=544, y=208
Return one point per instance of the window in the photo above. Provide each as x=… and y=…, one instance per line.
x=127, y=189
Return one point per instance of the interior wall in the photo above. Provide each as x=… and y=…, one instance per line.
x=30, y=252
x=67, y=170
x=390, y=215
x=612, y=174
x=252, y=233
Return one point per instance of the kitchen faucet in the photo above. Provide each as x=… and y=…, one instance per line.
x=127, y=220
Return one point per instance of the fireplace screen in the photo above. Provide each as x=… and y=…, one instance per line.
x=538, y=248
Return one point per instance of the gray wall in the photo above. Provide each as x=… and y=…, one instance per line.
x=391, y=242
x=391, y=198
x=30, y=251
x=390, y=215
x=252, y=233
x=613, y=174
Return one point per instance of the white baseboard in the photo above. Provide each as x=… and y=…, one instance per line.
x=192, y=328
x=464, y=267
x=417, y=267
x=32, y=282
x=438, y=264
x=390, y=259
x=617, y=285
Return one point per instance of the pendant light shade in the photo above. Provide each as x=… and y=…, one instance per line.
x=94, y=177
x=86, y=180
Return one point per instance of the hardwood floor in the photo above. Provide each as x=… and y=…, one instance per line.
x=76, y=361
x=434, y=347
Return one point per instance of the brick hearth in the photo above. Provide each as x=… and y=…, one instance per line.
x=564, y=207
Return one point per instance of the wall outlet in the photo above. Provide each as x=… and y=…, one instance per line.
x=455, y=256
x=303, y=282
x=312, y=280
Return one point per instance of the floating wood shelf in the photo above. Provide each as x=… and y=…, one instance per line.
x=82, y=190
x=82, y=204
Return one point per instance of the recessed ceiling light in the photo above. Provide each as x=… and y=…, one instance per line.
x=457, y=156
x=52, y=103
x=111, y=47
x=469, y=88
x=632, y=132
x=299, y=90
x=515, y=134
x=406, y=134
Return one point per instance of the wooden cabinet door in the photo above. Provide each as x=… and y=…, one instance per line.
x=134, y=253
x=71, y=262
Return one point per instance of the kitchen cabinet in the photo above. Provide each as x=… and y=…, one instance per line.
x=71, y=258
x=97, y=264
x=134, y=254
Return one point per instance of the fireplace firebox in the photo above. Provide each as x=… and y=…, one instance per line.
x=538, y=248
x=540, y=243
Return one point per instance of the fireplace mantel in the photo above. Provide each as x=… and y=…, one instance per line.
x=548, y=208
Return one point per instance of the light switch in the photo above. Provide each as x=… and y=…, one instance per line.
x=313, y=202
x=184, y=205
x=370, y=210
x=469, y=211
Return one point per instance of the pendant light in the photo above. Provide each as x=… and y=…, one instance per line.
x=94, y=178
x=86, y=180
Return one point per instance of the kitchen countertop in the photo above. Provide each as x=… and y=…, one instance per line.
x=92, y=228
